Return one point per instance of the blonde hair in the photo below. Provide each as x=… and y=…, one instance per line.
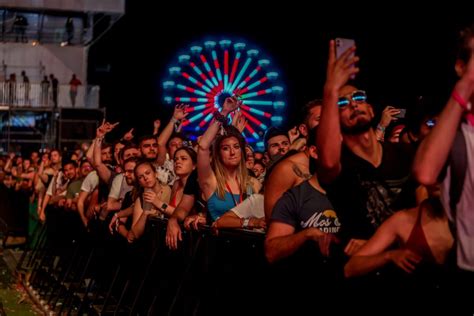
x=219, y=168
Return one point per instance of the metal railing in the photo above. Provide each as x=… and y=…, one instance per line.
x=42, y=95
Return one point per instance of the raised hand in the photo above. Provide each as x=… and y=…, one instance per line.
x=110, y=126
x=340, y=69
x=239, y=121
x=293, y=134
x=388, y=115
x=104, y=128
x=129, y=135
x=180, y=112
x=230, y=104
x=156, y=126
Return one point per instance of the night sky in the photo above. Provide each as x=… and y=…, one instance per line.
x=413, y=56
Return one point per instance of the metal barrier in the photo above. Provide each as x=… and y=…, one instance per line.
x=227, y=274
x=98, y=273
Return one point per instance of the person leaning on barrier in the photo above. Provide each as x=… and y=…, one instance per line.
x=191, y=200
x=119, y=222
x=224, y=179
x=152, y=196
x=247, y=215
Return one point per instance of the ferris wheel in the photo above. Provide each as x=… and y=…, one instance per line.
x=207, y=73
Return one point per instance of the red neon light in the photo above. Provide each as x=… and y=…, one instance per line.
x=234, y=69
x=226, y=62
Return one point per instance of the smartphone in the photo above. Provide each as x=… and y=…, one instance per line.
x=342, y=45
x=402, y=113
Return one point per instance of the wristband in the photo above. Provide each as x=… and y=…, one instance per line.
x=460, y=100
x=219, y=117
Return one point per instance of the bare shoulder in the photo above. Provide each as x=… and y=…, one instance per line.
x=282, y=170
x=404, y=216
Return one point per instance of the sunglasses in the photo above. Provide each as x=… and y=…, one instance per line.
x=358, y=96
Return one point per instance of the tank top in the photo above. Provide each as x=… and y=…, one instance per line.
x=417, y=241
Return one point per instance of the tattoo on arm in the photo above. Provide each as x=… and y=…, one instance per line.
x=299, y=173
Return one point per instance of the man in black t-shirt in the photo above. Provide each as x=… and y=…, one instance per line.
x=369, y=180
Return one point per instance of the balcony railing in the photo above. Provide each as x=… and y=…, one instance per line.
x=40, y=95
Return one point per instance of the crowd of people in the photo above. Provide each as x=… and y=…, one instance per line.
x=338, y=196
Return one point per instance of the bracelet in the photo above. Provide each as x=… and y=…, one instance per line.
x=245, y=224
x=381, y=128
x=219, y=117
x=460, y=100
x=174, y=120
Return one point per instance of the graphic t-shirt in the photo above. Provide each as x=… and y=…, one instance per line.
x=365, y=196
x=303, y=206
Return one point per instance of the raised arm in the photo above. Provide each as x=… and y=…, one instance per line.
x=206, y=177
x=434, y=149
x=90, y=152
x=329, y=137
x=9, y=163
x=102, y=170
x=178, y=115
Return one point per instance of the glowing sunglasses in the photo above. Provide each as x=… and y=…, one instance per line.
x=358, y=96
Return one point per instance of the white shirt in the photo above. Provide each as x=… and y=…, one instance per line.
x=90, y=182
x=464, y=209
x=119, y=187
x=250, y=207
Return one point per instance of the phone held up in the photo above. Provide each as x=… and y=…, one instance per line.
x=402, y=113
x=342, y=45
